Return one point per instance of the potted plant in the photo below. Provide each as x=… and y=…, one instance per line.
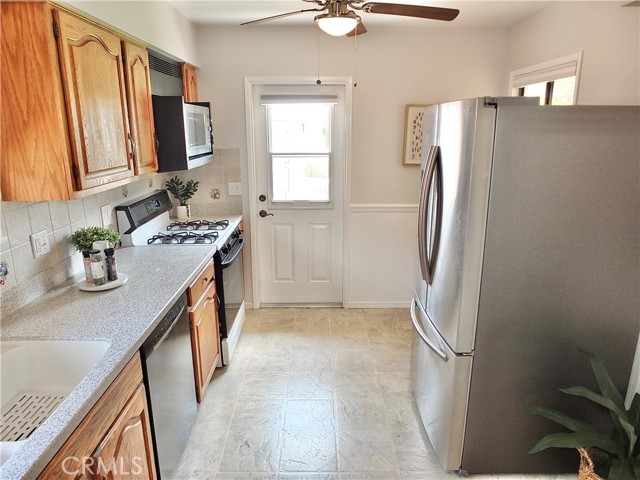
x=83, y=238
x=616, y=457
x=183, y=193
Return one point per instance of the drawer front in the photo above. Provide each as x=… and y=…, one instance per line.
x=200, y=284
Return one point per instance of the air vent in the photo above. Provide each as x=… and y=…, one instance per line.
x=164, y=66
x=25, y=412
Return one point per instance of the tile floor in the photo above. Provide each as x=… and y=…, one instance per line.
x=314, y=394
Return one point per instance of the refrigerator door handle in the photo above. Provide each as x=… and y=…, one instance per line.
x=432, y=179
x=425, y=190
x=438, y=351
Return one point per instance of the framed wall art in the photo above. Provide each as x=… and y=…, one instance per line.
x=413, y=130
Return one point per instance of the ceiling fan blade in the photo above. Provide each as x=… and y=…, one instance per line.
x=282, y=15
x=359, y=30
x=434, y=13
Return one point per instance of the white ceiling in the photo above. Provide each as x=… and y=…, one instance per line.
x=473, y=13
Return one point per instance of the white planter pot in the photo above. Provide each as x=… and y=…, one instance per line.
x=183, y=212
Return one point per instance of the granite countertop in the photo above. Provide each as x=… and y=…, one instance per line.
x=124, y=317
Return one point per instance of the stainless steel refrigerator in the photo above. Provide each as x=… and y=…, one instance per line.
x=529, y=246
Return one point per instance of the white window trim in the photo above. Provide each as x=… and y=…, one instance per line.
x=547, y=71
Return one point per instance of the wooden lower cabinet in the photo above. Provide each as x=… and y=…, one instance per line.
x=114, y=439
x=205, y=332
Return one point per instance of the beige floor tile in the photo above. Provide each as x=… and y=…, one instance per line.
x=361, y=414
x=395, y=384
x=310, y=386
x=366, y=451
x=305, y=360
x=258, y=414
x=309, y=451
x=252, y=451
x=356, y=385
x=303, y=415
x=246, y=476
x=267, y=385
x=352, y=361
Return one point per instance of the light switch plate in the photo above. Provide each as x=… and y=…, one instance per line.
x=105, y=213
x=40, y=243
x=235, y=188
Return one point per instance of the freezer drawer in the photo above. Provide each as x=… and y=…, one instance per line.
x=440, y=381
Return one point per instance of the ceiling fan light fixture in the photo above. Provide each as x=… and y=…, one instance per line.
x=337, y=24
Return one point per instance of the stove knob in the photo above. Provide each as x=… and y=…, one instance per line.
x=234, y=234
x=224, y=249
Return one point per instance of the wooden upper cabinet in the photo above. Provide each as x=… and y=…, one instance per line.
x=34, y=149
x=189, y=83
x=94, y=86
x=140, y=108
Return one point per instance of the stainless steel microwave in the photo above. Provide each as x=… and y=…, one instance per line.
x=184, y=133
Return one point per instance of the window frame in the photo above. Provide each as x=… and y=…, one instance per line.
x=547, y=72
x=301, y=204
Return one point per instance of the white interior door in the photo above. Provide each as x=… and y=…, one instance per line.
x=300, y=153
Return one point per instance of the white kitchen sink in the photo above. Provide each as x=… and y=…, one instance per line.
x=35, y=377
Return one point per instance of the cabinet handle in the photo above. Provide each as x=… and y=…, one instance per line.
x=157, y=142
x=132, y=146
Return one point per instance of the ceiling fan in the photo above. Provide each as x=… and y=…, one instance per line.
x=339, y=18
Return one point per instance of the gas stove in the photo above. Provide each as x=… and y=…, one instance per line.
x=146, y=221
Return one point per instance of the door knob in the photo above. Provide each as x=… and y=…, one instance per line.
x=262, y=198
x=263, y=213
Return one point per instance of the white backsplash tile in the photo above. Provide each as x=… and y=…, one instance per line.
x=64, y=248
x=18, y=226
x=76, y=211
x=59, y=215
x=40, y=217
x=28, y=278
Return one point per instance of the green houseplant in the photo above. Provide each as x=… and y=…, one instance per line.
x=83, y=238
x=182, y=191
x=621, y=450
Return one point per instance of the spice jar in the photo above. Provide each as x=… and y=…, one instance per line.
x=112, y=271
x=97, y=270
x=87, y=267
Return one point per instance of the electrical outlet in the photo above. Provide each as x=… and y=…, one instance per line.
x=40, y=243
x=235, y=188
x=105, y=213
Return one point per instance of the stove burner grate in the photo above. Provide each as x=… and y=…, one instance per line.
x=198, y=225
x=183, y=238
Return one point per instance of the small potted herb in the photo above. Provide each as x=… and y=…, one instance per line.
x=183, y=193
x=83, y=238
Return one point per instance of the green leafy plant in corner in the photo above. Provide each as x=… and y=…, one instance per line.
x=622, y=447
x=180, y=190
x=83, y=238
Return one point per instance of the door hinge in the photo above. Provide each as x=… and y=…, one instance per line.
x=56, y=29
x=74, y=171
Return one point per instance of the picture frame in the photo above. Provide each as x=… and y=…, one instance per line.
x=413, y=131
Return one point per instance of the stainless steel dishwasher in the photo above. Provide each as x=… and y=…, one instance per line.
x=168, y=375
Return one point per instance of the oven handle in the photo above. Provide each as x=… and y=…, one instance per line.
x=233, y=254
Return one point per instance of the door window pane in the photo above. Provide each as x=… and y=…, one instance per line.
x=300, y=128
x=300, y=178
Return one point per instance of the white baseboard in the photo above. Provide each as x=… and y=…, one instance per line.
x=380, y=304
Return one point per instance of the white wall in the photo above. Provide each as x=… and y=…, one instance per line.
x=154, y=22
x=394, y=67
x=607, y=33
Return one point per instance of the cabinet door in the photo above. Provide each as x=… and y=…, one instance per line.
x=189, y=83
x=36, y=160
x=205, y=339
x=140, y=108
x=126, y=452
x=93, y=78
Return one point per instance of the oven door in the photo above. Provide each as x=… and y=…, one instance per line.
x=231, y=288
